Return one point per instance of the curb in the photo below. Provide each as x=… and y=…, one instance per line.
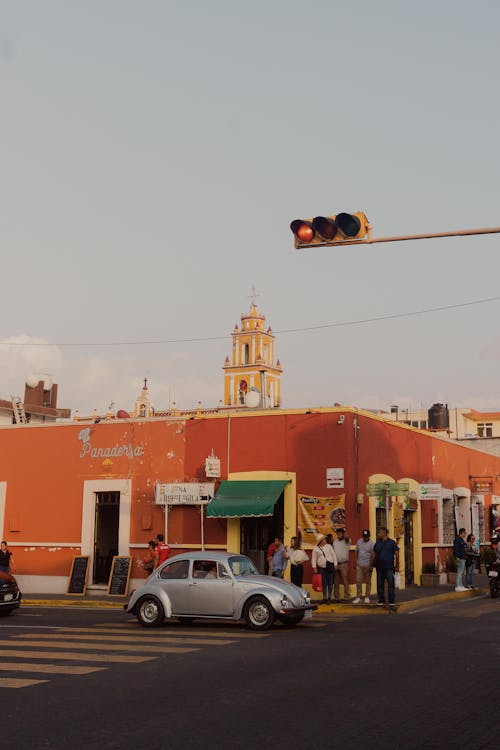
x=408, y=606
x=83, y=604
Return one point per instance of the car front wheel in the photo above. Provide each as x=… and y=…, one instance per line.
x=258, y=613
x=149, y=612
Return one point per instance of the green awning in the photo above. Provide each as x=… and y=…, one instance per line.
x=238, y=499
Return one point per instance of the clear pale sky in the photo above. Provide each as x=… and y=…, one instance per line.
x=154, y=154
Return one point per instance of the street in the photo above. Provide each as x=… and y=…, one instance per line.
x=95, y=679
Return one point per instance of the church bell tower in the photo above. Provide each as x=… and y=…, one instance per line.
x=252, y=375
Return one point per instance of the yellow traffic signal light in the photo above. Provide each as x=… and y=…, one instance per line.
x=333, y=230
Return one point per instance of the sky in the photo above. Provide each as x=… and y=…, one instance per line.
x=155, y=152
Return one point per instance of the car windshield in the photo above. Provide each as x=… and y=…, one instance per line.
x=242, y=566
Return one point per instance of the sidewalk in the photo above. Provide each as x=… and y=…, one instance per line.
x=70, y=600
x=410, y=598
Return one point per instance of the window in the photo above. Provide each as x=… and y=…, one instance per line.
x=414, y=424
x=242, y=566
x=204, y=569
x=175, y=570
x=423, y=424
x=485, y=429
x=222, y=571
x=246, y=354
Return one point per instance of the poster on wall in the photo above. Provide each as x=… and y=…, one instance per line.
x=320, y=515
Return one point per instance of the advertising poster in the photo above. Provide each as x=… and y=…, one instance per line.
x=320, y=515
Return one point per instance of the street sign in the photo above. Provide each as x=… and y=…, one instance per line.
x=376, y=489
x=196, y=493
x=393, y=489
x=399, y=488
x=429, y=492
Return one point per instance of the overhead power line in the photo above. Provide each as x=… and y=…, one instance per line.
x=284, y=331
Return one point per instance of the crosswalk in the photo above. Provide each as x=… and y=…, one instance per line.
x=33, y=658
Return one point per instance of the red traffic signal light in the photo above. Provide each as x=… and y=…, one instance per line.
x=302, y=230
x=330, y=229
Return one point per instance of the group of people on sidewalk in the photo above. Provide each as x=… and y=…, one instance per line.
x=330, y=558
x=330, y=561
x=466, y=554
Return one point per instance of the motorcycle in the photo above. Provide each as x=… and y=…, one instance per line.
x=494, y=579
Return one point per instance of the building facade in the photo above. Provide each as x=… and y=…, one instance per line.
x=91, y=488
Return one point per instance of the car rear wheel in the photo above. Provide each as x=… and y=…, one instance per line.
x=290, y=621
x=149, y=612
x=4, y=611
x=258, y=613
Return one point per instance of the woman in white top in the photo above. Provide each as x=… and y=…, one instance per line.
x=324, y=561
x=297, y=558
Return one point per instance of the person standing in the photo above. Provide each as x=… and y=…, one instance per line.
x=341, y=546
x=364, y=567
x=459, y=553
x=162, y=550
x=324, y=561
x=149, y=562
x=471, y=557
x=385, y=557
x=279, y=559
x=6, y=559
x=269, y=555
x=297, y=558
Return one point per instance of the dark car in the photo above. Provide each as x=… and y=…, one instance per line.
x=10, y=596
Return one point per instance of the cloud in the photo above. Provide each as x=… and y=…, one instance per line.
x=89, y=381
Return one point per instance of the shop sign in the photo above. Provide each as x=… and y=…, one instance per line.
x=212, y=466
x=194, y=493
x=429, y=492
x=334, y=478
x=109, y=451
x=482, y=485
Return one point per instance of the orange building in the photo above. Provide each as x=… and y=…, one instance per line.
x=90, y=489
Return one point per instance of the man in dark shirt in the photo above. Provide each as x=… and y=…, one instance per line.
x=459, y=555
x=383, y=554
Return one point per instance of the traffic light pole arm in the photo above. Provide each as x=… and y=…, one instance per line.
x=404, y=237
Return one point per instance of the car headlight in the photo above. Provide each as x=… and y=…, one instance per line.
x=307, y=598
x=285, y=601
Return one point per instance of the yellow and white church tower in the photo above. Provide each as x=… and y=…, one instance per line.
x=252, y=370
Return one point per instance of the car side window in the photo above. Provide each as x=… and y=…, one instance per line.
x=175, y=570
x=222, y=571
x=205, y=569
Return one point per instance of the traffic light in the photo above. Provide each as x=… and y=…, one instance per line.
x=330, y=229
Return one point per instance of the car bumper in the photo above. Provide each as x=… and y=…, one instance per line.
x=297, y=610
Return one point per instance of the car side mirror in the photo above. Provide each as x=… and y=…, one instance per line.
x=224, y=574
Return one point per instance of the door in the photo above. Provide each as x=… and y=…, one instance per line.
x=175, y=580
x=210, y=590
x=257, y=533
x=107, y=521
x=409, y=561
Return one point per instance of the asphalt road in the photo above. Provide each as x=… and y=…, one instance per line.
x=422, y=680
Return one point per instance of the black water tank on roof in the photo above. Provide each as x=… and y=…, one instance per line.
x=439, y=417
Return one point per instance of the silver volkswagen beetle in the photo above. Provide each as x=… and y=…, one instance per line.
x=217, y=585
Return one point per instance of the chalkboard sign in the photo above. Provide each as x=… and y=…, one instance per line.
x=119, y=576
x=78, y=576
